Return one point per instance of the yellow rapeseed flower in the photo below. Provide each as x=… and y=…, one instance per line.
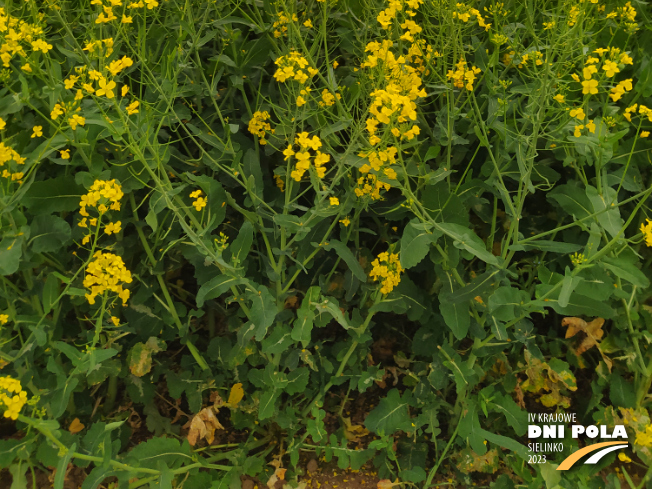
x=37, y=132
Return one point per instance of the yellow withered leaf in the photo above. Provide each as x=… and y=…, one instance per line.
x=594, y=334
x=76, y=426
x=236, y=395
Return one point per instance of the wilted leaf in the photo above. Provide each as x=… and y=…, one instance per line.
x=76, y=426
x=236, y=395
x=203, y=425
x=387, y=484
x=353, y=432
x=542, y=376
x=594, y=334
x=140, y=357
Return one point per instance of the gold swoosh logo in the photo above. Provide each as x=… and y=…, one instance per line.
x=575, y=456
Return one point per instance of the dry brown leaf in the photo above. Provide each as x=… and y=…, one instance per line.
x=387, y=484
x=203, y=425
x=279, y=474
x=76, y=426
x=520, y=397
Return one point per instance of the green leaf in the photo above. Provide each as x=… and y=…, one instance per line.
x=263, y=310
x=278, y=341
x=626, y=271
x=50, y=293
x=508, y=443
x=48, y=234
x=390, y=415
x=11, y=250
x=8, y=451
x=298, y=380
x=476, y=288
x=516, y=417
x=345, y=254
x=621, y=392
x=572, y=199
x=415, y=243
x=456, y=317
x=332, y=307
x=251, y=170
x=62, y=466
x=168, y=450
x=568, y=286
x=97, y=476
x=303, y=326
x=267, y=407
x=469, y=428
x=216, y=286
x=545, y=245
x=315, y=426
x=609, y=220
x=241, y=245
x=467, y=239
x=54, y=195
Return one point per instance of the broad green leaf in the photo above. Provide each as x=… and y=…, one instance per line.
x=303, y=326
x=216, y=286
x=345, y=254
x=332, y=307
x=297, y=380
x=267, y=408
x=609, y=220
x=467, y=239
x=456, y=317
x=54, y=195
x=11, y=250
x=502, y=441
x=516, y=417
x=48, y=234
x=621, y=392
x=50, y=293
x=315, y=426
x=169, y=450
x=572, y=199
x=469, y=428
x=476, y=288
x=568, y=286
x=626, y=271
x=390, y=415
x=278, y=341
x=241, y=245
x=263, y=310
x=415, y=244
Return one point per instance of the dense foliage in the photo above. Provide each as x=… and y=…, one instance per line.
x=222, y=208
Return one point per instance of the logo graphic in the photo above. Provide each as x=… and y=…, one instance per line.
x=603, y=449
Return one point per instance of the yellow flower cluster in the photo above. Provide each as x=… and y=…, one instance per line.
x=12, y=403
x=642, y=110
x=7, y=155
x=91, y=46
x=328, y=99
x=463, y=77
x=387, y=268
x=464, y=13
x=200, y=202
x=619, y=90
x=4, y=319
x=303, y=156
x=646, y=229
x=387, y=16
x=107, y=14
x=17, y=32
x=371, y=186
x=106, y=272
x=102, y=193
x=292, y=66
x=280, y=26
x=258, y=125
